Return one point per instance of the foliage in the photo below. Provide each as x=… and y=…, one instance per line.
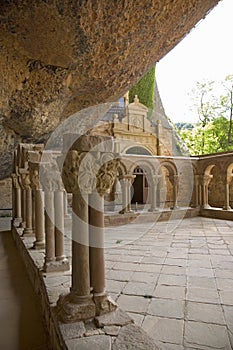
x=215, y=137
x=213, y=132
x=144, y=89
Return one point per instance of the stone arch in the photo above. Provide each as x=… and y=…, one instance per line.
x=139, y=150
x=208, y=169
x=168, y=183
x=143, y=172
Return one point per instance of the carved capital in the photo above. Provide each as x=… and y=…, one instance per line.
x=34, y=176
x=107, y=174
x=87, y=171
x=15, y=181
x=206, y=179
x=50, y=176
x=25, y=180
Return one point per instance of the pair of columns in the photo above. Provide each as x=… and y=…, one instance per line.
x=202, y=191
x=88, y=176
x=126, y=183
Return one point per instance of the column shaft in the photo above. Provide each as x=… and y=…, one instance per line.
x=59, y=224
x=28, y=205
x=49, y=227
x=18, y=203
x=39, y=220
x=96, y=232
x=80, y=246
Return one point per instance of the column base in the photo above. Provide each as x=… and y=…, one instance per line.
x=153, y=209
x=63, y=263
x=16, y=222
x=56, y=266
x=39, y=245
x=73, y=308
x=207, y=206
x=175, y=207
x=103, y=303
x=227, y=207
x=125, y=211
x=28, y=232
x=22, y=224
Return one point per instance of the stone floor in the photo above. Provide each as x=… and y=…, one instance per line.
x=175, y=279
x=20, y=318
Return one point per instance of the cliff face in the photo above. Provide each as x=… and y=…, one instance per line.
x=59, y=56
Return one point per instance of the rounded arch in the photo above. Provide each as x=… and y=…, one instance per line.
x=170, y=166
x=138, y=150
x=208, y=169
x=148, y=168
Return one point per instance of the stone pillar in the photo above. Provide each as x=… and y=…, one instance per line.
x=174, y=180
x=88, y=175
x=227, y=192
x=26, y=185
x=49, y=231
x=17, y=218
x=39, y=220
x=126, y=182
x=97, y=263
x=28, y=230
x=61, y=261
x=39, y=206
x=23, y=207
x=153, y=187
x=205, y=184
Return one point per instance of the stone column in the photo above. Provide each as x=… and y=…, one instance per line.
x=174, y=180
x=205, y=184
x=26, y=184
x=62, y=262
x=17, y=218
x=154, y=184
x=49, y=231
x=84, y=174
x=23, y=206
x=227, y=192
x=39, y=206
x=126, y=182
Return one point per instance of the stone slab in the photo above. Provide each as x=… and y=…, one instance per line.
x=72, y=330
x=206, y=335
x=115, y=318
x=132, y=337
x=97, y=342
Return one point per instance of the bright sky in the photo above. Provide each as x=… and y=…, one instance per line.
x=204, y=54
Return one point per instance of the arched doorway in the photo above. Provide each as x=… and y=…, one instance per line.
x=140, y=186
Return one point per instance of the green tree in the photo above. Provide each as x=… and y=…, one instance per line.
x=214, y=130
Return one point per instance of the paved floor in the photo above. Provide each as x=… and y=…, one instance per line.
x=176, y=280
x=21, y=325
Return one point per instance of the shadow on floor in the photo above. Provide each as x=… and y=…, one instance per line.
x=22, y=325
